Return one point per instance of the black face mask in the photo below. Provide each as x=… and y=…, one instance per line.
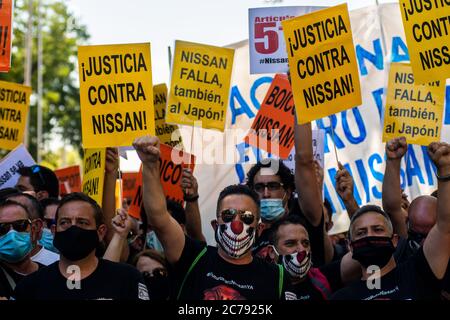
x=415, y=239
x=76, y=243
x=157, y=285
x=370, y=251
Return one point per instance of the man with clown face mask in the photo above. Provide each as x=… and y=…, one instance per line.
x=226, y=272
x=290, y=247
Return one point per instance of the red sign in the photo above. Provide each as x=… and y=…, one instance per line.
x=171, y=164
x=5, y=34
x=69, y=180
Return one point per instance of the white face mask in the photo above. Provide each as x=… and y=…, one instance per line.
x=235, y=238
x=297, y=264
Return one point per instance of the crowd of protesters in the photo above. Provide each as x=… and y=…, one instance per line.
x=271, y=234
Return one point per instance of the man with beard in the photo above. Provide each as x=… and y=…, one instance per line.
x=205, y=272
x=80, y=275
x=373, y=244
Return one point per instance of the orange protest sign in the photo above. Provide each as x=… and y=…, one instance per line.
x=129, y=184
x=69, y=180
x=5, y=34
x=171, y=164
x=273, y=128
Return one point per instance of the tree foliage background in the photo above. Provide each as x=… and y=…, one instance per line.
x=61, y=35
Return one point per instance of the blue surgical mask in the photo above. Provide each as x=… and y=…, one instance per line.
x=271, y=209
x=14, y=246
x=47, y=240
x=153, y=242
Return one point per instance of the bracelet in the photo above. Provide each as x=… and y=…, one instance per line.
x=443, y=178
x=191, y=199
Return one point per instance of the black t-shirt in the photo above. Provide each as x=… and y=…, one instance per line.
x=5, y=288
x=411, y=280
x=109, y=281
x=403, y=251
x=213, y=278
x=261, y=244
x=307, y=290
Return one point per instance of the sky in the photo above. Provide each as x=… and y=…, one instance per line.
x=211, y=22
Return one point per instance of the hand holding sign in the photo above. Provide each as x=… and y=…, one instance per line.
x=189, y=184
x=396, y=148
x=344, y=183
x=148, y=149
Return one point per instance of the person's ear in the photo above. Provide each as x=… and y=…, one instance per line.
x=214, y=224
x=36, y=230
x=272, y=254
x=101, y=231
x=260, y=228
x=41, y=195
x=395, y=240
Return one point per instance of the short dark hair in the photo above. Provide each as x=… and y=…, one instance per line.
x=365, y=209
x=434, y=193
x=327, y=205
x=152, y=254
x=177, y=211
x=289, y=219
x=79, y=196
x=239, y=189
x=8, y=202
x=48, y=202
x=286, y=176
x=42, y=179
x=35, y=211
x=6, y=192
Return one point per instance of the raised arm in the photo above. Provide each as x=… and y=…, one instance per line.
x=167, y=229
x=109, y=190
x=392, y=193
x=118, y=247
x=309, y=194
x=193, y=218
x=437, y=244
x=344, y=187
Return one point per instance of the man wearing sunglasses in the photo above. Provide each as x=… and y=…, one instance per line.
x=226, y=272
x=79, y=274
x=40, y=180
x=15, y=246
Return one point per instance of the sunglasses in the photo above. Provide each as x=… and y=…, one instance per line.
x=157, y=272
x=271, y=186
x=246, y=217
x=18, y=225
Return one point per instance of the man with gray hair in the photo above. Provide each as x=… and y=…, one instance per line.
x=373, y=243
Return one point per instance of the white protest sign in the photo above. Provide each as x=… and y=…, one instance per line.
x=266, y=41
x=17, y=158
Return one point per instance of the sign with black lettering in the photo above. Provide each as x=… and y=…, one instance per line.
x=200, y=85
x=273, y=127
x=322, y=61
x=5, y=34
x=14, y=105
x=9, y=165
x=94, y=173
x=427, y=32
x=171, y=164
x=413, y=110
x=116, y=94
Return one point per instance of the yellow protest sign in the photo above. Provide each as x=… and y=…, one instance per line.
x=412, y=110
x=116, y=94
x=14, y=102
x=322, y=62
x=94, y=173
x=427, y=32
x=166, y=133
x=200, y=86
